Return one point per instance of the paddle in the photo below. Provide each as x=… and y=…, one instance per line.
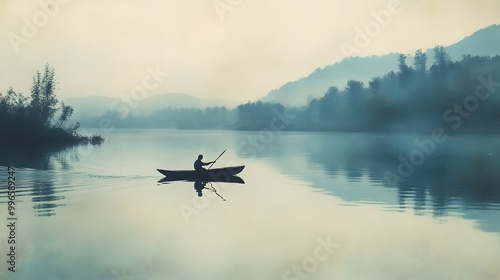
x=213, y=162
x=214, y=190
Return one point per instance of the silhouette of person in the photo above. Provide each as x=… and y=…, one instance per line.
x=199, y=186
x=198, y=164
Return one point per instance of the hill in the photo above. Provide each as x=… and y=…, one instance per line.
x=485, y=42
x=92, y=106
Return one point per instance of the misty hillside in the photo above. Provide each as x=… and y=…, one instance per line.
x=485, y=42
x=447, y=96
x=299, y=92
x=99, y=105
x=418, y=97
x=89, y=105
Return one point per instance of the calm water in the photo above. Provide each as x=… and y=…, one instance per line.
x=314, y=206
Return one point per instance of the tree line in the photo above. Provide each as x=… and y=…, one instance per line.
x=174, y=118
x=415, y=98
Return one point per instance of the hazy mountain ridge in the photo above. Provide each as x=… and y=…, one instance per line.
x=485, y=42
x=99, y=105
x=298, y=93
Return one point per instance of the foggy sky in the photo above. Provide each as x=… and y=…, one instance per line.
x=104, y=47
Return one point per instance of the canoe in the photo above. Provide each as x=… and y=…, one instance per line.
x=228, y=179
x=213, y=175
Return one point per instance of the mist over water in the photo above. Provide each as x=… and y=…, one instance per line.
x=102, y=215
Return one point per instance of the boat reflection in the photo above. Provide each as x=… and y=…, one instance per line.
x=200, y=185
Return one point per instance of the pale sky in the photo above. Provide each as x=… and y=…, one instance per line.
x=240, y=52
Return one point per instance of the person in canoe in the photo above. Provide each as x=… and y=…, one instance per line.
x=198, y=164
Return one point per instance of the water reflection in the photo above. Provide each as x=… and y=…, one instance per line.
x=37, y=171
x=200, y=185
x=43, y=193
x=26, y=157
x=460, y=175
x=268, y=226
x=462, y=172
x=258, y=234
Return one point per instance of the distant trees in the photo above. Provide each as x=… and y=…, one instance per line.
x=33, y=120
x=256, y=115
x=442, y=59
x=420, y=62
x=354, y=89
x=405, y=72
x=179, y=118
x=413, y=99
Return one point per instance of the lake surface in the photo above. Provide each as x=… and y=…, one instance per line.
x=313, y=206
